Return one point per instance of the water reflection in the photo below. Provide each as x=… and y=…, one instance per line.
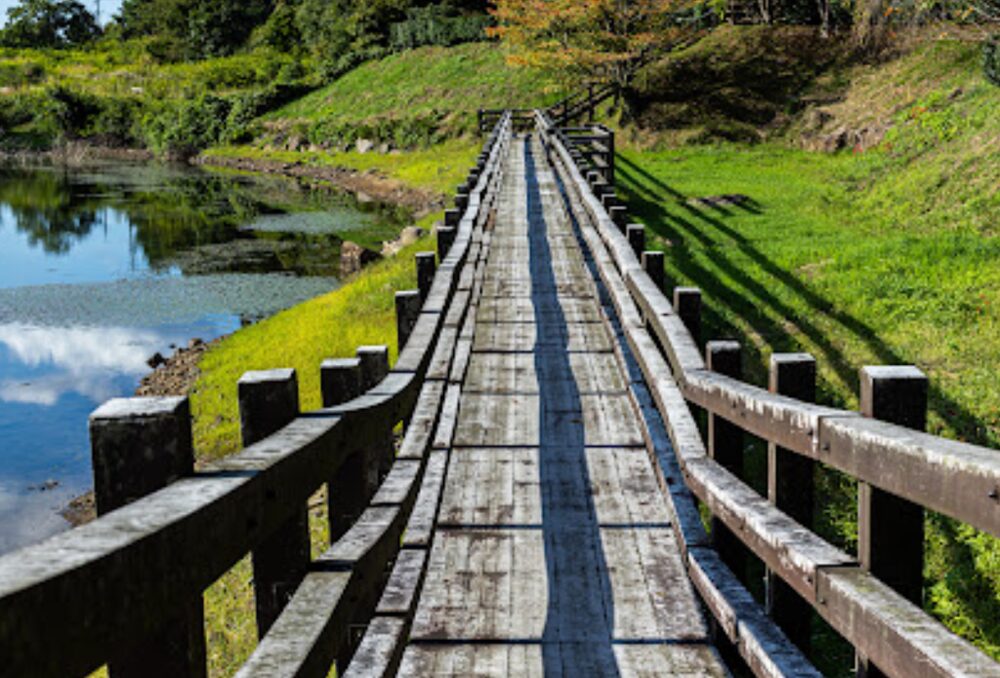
x=102, y=267
x=52, y=361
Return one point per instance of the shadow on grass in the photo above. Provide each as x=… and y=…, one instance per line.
x=749, y=299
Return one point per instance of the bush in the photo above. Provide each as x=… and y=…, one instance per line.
x=181, y=129
x=436, y=25
x=991, y=58
x=118, y=122
x=66, y=114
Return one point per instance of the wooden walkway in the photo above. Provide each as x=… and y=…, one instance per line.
x=554, y=552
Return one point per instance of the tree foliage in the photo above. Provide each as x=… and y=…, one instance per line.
x=589, y=39
x=49, y=24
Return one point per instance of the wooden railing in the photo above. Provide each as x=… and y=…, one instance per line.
x=873, y=598
x=126, y=589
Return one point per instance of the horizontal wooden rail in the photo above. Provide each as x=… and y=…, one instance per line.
x=957, y=479
x=91, y=595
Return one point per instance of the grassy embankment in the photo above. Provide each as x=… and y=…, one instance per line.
x=376, y=96
x=884, y=255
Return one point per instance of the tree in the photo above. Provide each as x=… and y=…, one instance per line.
x=49, y=24
x=193, y=29
x=604, y=40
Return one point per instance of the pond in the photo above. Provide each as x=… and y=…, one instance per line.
x=104, y=266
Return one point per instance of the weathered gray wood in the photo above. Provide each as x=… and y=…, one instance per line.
x=420, y=528
x=407, y=313
x=399, y=487
x=725, y=446
x=895, y=634
x=426, y=266
x=653, y=264
x=340, y=380
x=790, y=488
x=268, y=402
x=375, y=368
x=400, y=595
x=351, y=484
x=891, y=529
x=380, y=650
x=420, y=432
x=139, y=445
x=636, y=234
x=766, y=650
x=687, y=303
x=310, y=633
x=449, y=417
x=144, y=550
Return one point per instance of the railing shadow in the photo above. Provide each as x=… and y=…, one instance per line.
x=577, y=639
x=748, y=299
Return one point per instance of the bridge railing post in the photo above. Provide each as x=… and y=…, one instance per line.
x=347, y=488
x=426, y=266
x=374, y=368
x=653, y=263
x=408, y=304
x=790, y=488
x=138, y=446
x=268, y=402
x=636, y=238
x=725, y=446
x=891, y=529
x=687, y=305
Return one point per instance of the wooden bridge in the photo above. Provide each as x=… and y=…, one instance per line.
x=540, y=512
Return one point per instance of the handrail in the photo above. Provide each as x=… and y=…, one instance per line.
x=81, y=598
x=957, y=479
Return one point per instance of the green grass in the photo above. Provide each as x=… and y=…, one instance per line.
x=362, y=312
x=439, y=168
x=429, y=80
x=885, y=257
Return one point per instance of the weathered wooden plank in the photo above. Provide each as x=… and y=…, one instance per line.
x=481, y=660
x=518, y=372
x=419, y=431
x=782, y=420
x=309, y=634
x=492, y=487
x=380, y=651
x=440, y=365
x=957, y=479
x=767, y=651
x=896, y=635
x=546, y=309
x=785, y=546
x=584, y=337
x=420, y=527
x=400, y=486
x=400, y=594
x=448, y=420
x=144, y=550
x=370, y=541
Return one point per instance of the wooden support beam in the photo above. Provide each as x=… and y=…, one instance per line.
x=408, y=305
x=269, y=401
x=891, y=529
x=653, y=264
x=790, y=488
x=138, y=446
x=348, y=489
x=426, y=267
x=687, y=305
x=637, y=238
x=725, y=446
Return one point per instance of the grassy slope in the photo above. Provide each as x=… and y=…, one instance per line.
x=888, y=256
x=440, y=168
x=333, y=325
x=456, y=80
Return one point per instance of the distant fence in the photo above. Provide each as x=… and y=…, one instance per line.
x=127, y=588
x=873, y=600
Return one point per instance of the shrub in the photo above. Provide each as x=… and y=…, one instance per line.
x=991, y=58
x=117, y=124
x=67, y=114
x=436, y=25
x=180, y=129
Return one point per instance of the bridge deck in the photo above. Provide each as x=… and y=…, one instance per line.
x=554, y=552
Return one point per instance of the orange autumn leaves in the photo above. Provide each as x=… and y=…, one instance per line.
x=590, y=39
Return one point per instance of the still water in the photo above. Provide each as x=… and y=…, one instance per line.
x=100, y=268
